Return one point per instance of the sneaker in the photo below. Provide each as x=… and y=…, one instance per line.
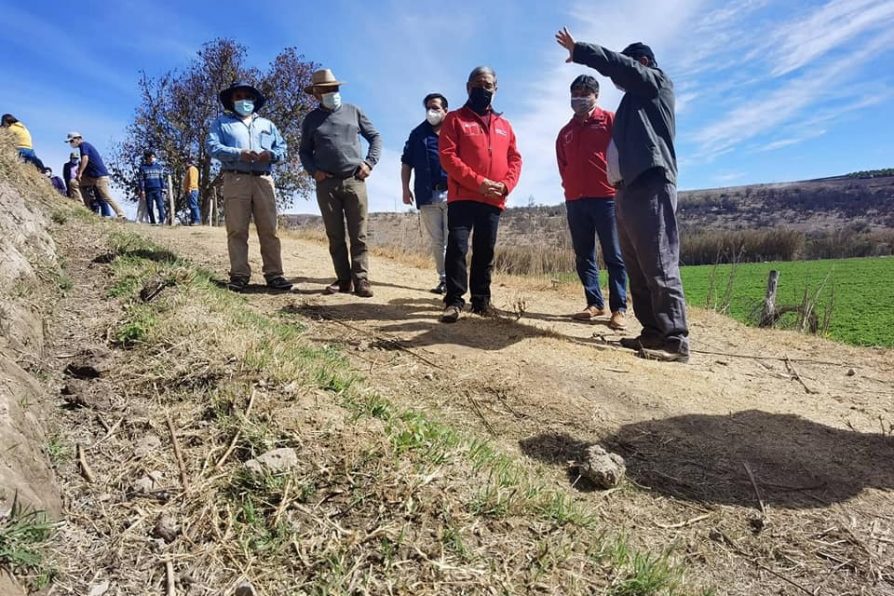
x=237, y=285
x=638, y=343
x=441, y=288
x=618, y=320
x=663, y=355
x=450, y=314
x=589, y=313
x=338, y=287
x=279, y=283
x=363, y=289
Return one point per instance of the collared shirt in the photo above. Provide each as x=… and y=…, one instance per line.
x=151, y=176
x=329, y=141
x=580, y=152
x=229, y=135
x=422, y=156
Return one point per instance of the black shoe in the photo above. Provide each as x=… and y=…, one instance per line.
x=638, y=343
x=237, y=284
x=279, y=283
x=441, y=288
x=363, y=289
x=484, y=310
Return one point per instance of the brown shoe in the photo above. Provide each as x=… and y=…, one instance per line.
x=451, y=314
x=589, y=313
x=618, y=320
x=338, y=287
x=363, y=289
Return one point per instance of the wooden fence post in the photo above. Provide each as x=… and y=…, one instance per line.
x=768, y=312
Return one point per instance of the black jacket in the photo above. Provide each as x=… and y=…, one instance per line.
x=644, y=123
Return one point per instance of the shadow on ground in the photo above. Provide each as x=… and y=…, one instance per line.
x=796, y=463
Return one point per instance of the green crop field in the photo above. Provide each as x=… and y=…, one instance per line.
x=860, y=293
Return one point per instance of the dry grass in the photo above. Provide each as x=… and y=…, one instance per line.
x=383, y=500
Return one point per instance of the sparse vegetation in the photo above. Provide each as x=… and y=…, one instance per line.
x=24, y=533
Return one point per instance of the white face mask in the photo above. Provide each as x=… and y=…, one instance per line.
x=331, y=101
x=434, y=117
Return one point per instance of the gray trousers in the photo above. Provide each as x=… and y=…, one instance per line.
x=344, y=202
x=434, y=220
x=650, y=244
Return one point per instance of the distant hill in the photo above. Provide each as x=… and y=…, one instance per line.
x=862, y=201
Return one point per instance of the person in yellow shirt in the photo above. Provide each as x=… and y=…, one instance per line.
x=22, y=140
x=191, y=185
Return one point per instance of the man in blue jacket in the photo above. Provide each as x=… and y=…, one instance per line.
x=642, y=165
x=247, y=146
x=152, y=187
x=420, y=156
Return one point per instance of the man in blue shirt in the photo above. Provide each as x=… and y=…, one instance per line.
x=151, y=183
x=247, y=146
x=421, y=156
x=92, y=172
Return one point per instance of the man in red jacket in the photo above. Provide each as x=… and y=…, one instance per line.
x=590, y=201
x=478, y=152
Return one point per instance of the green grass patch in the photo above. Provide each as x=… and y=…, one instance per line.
x=23, y=532
x=859, y=293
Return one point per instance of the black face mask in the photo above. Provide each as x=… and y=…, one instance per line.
x=479, y=99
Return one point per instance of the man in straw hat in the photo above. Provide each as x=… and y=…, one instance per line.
x=247, y=146
x=330, y=152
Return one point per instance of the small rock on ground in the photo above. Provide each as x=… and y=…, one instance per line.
x=602, y=468
x=275, y=461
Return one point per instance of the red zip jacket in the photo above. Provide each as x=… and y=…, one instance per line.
x=472, y=150
x=580, y=150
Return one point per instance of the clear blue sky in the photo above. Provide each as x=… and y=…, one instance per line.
x=767, y=91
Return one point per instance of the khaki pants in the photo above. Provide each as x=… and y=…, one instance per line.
x=103, y=193
x=246, y=196
x=74, y=191
x=344, y=201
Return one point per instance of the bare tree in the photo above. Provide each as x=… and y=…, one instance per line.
x=176, y=111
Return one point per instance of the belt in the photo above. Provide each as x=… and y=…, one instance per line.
x=247, y=173
x=439, y=187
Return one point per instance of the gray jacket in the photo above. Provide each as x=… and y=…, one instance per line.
x=329, y=141
x=644, y=125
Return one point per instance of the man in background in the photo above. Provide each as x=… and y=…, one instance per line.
x=92, y=172
x=191, y=187
x=420, y=158
x=69, y=175
x=152, y=187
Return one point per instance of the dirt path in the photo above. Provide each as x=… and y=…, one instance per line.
x=799, y=426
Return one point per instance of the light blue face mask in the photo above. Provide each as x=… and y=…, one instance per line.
x=331, y=101
x=244, y=107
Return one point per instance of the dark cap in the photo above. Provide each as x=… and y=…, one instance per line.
x=226, y=96
x=148, y=153
x=585, y=82
x=638, y=50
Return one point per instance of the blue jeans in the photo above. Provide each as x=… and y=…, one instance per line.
x=588, y=218
x=195, y=217
x=155, y=197
x=29, y=156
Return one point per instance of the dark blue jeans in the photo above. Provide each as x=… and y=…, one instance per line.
x=588, y=218
x=155, y=197
x=464, y=218
x=194, y=216
x=29, y=156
